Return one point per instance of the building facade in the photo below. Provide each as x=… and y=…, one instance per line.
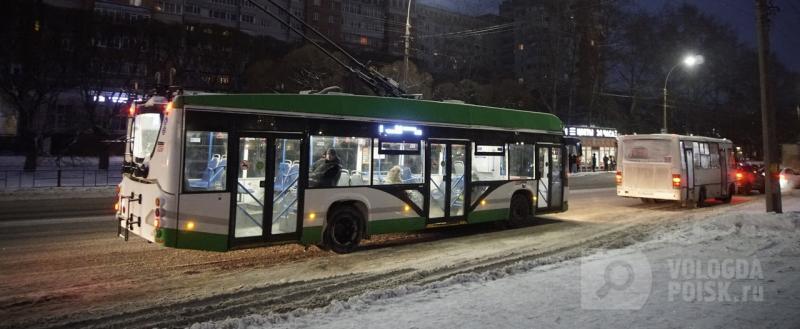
x=597, y=142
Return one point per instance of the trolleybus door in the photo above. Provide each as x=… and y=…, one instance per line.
x=448, y=178
x=543, y=167
x=556, y=182
x=550, y=167
x=266, y=197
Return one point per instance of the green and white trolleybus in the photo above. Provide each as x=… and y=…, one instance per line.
x=220, y=172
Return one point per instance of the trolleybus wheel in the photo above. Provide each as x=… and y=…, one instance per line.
x=520, y=210
x=343, y=232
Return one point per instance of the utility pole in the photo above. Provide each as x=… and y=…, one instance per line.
x=407, y=45
x=772, y=185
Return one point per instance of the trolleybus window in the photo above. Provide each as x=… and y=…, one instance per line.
x=521, y=161
x=349, y=166
x=489, y=163
x=145, y=133
x=397, y=163
x=205, y=161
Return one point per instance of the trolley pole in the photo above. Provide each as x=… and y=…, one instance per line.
x=407, y=48
x=772, y=185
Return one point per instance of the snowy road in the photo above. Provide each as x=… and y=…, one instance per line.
x=68, y=274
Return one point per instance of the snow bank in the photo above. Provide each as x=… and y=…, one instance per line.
x=43, y=193
x=14, y=162
x=590, y=173
x=548, y=292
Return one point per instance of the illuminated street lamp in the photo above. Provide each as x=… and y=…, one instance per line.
x=688, y=61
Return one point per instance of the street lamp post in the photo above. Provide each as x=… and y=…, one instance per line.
x=687, y=61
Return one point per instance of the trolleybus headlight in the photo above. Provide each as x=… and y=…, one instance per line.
x=312, y=215
x=190, y=225
x=483, y=202
x=158, y=202
x=619, y=178
x=116, y=206
x=156, y=223
x=783, y=179
x=158, y=213
x=406, y=208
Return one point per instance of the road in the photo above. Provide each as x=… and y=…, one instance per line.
x=74, y=272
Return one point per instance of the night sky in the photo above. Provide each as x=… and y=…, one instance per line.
x=740, y=14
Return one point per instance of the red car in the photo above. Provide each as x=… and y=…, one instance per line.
x=749, y=177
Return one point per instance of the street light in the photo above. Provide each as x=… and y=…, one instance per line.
x=688, y=61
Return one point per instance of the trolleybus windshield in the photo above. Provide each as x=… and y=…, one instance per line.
x=145, y=133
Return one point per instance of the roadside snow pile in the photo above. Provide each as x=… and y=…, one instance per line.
x=47, y=193
x=590, y=173
x=14, y=162
x=735, y=270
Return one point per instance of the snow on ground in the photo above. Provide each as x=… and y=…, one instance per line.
x=68, y=192
x=14, y=162
x=735, y=270
x=589, y=173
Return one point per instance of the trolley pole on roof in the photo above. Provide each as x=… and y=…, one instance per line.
x=407, y=45
x=771, y=182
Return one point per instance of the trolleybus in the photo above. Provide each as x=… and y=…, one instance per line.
x=220, y=172
x=688, y=169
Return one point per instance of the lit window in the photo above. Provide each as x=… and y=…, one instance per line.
x=347, y=165
x=206, y=157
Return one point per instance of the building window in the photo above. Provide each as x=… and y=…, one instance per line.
x=315, y=16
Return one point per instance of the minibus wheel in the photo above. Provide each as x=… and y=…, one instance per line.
x=701, y=198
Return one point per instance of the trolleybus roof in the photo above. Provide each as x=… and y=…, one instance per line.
x=381, y=108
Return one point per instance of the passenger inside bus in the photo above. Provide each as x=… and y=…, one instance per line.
x=327, y=172
x=393, y=175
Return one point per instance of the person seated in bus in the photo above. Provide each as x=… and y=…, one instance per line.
x=407, y=174
x=326, y=173
x=393, y=175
